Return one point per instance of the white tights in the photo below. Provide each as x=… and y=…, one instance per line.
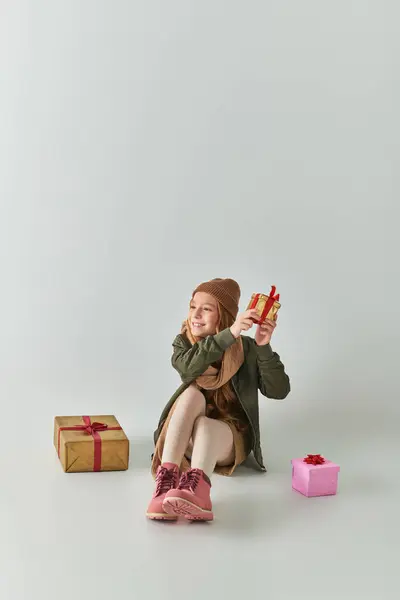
x=190, y=432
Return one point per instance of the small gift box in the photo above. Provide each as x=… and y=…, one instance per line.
x=314, y=476
x=87, y=444
x=266, y=306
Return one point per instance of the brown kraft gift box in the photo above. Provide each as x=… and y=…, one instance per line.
x=95, y=443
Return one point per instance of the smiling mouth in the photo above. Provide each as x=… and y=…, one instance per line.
x=197, y=324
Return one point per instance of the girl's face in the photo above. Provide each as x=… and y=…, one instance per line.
x=203, y=315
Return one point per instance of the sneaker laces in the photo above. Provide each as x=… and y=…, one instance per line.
x=165, y=480
x=190, y=480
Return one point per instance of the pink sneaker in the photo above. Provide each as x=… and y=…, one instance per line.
x=191, y=498
x=167, y=478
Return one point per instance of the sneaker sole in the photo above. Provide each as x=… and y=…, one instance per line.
x=184, y=508
x=160, y=517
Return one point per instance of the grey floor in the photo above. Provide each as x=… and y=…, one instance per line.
x=84, y=536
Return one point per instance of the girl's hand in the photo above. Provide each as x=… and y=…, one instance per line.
x=244, y=322
x=264, y=332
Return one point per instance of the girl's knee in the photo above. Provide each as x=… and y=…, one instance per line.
x=204, y=425
x=193, y=400
x=216, y=430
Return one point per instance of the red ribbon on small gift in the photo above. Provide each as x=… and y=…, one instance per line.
x=314, y=459
x=93, y=430
x=272, y=298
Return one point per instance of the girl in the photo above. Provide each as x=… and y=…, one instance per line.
x=211, y=423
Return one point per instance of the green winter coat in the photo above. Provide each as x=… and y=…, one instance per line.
x=261, y=370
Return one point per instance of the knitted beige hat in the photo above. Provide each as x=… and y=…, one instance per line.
x=226, y=291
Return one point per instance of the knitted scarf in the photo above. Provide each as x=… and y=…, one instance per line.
x=216, y=379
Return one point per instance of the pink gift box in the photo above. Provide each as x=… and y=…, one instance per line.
x=314, y=480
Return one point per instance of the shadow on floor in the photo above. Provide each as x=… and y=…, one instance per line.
x=141, y=449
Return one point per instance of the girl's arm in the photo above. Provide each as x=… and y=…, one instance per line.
x=273, y=382
x=191, y=361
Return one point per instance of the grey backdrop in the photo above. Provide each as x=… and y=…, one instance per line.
x=147, y=146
